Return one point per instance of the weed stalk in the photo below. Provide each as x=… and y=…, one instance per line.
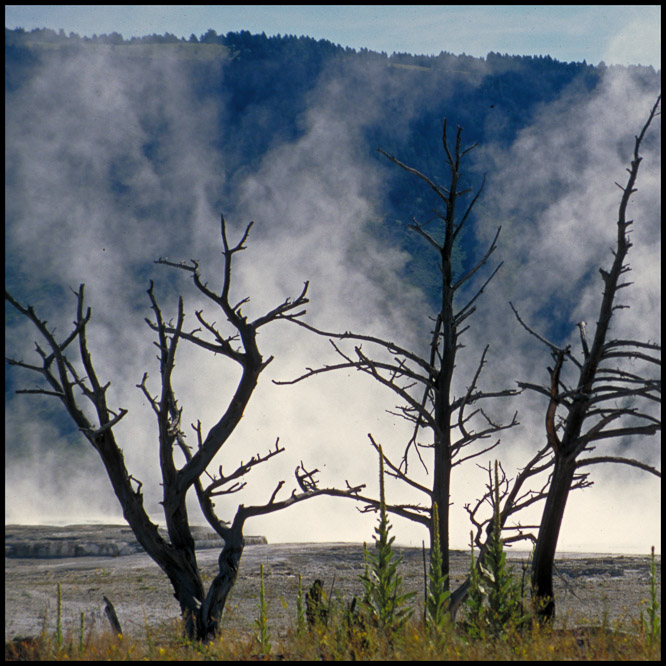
x=300, y=609
x=82, y=632
x=262, y=621
x=652, y=625
x=58, y=632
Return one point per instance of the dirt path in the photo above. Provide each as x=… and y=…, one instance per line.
x=614, y=585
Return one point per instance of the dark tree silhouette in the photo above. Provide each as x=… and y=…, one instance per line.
x=599, y=394
x=452, y=423
x=176, y=556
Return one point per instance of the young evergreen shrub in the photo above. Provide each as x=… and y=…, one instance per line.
x=474, y=619
x=494, y=602
x=387, y=607
x=436, y=603
x=317, y=605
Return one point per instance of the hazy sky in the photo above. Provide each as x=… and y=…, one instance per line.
x=86, y=202
x=616, y=34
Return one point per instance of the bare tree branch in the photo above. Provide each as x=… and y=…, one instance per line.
x=618, y=459
x=424, y=385
x=592, y=389
x=201, y=611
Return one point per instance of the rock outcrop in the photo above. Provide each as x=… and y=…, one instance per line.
x=45, y=541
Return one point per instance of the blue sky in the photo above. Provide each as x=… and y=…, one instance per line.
x=616, y=34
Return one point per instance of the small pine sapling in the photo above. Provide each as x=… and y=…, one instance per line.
x=475, y=612
x=386, y=605
x=494, y=602
x=316, y=605
x=436, y=605
x=504, y=593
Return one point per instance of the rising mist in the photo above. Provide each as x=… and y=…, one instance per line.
x=113, y=162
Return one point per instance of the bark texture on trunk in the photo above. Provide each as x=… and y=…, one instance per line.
x=211, y=610
x=546, y=546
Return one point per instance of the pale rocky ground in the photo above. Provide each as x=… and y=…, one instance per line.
x=42, y=541
x=588, y=587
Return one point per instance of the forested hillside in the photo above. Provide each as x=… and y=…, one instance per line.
x=266, y=83
x=121, y=151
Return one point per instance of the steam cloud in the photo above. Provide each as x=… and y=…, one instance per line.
x=86, y=204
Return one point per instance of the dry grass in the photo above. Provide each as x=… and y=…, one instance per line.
x=337, y=641
x=345, y=635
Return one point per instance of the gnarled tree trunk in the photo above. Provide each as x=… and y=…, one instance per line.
x=549, y=531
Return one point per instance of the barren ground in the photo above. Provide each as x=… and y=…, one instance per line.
x=587, y=588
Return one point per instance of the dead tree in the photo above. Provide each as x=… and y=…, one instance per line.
x=424, y=384
x=514, y=494
x=599, y=393
x=112, y=616
x=176, y=556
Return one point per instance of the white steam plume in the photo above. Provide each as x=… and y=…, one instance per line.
x=86, y=204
